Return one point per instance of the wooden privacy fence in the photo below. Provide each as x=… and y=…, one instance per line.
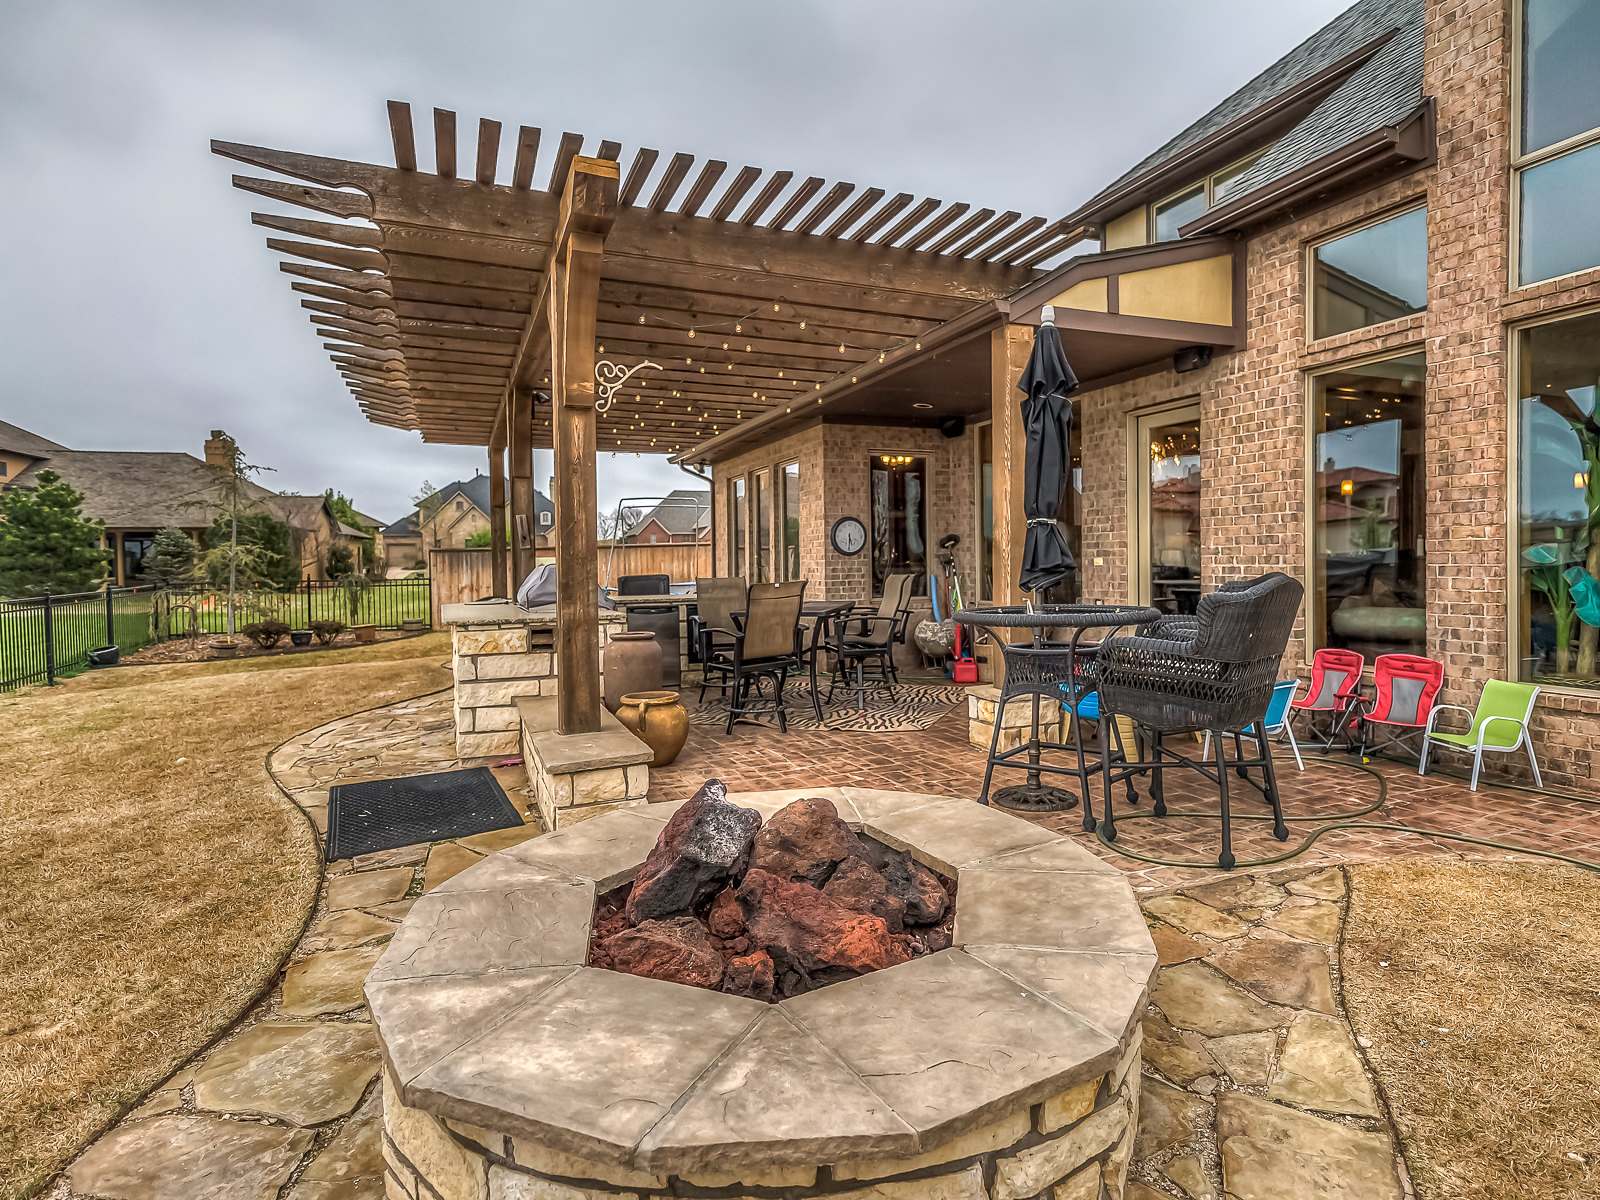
x=461, y=575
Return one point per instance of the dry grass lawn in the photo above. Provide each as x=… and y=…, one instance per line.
x=1479, y=987
x=152, y=877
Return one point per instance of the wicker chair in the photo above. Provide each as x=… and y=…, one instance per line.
x=766, y=646
x=1213, y=673
x=715, y=602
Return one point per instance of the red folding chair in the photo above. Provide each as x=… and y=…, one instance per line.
x=1405, y=687
x=1335, y=689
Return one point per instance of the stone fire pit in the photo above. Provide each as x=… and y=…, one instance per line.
x=992, y=1070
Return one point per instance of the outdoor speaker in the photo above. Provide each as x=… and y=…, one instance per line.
x=1191, y=359
x=953, y=427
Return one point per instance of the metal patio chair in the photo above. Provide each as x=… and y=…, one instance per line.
x=863, y=638
x=1404, y=687
x=715, y=602
x=1500, y=724
x=819, y=646
x=1335, y=690
x=766, y=646
x=1215, y=676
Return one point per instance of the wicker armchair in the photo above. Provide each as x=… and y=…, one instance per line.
x=1211, y=672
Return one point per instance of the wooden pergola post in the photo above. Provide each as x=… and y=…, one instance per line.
x=1010, y=346
x=519, y=442
x=588, y=207
x=497, y=521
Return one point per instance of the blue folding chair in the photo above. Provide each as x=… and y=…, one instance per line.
x=1276, y=720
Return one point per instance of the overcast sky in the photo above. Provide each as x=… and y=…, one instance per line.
x=141, y=309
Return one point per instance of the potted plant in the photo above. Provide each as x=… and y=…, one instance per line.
x=300, y=637
x=225, y=648
x=412, y=625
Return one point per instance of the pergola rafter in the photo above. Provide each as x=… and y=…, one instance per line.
x=425, y=286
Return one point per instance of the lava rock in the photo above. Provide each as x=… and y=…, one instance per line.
x=751, y=975
x=706, y=843
x=936, y=939
x=917, y=888
x=676, y=949
x=725, y=918
x=804, y=842
x=858, y=886
x=807, y=933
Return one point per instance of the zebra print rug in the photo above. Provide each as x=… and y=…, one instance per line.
x=915, y=706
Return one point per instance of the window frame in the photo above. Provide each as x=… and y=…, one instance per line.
x=1308, y=463
x=1309, y=270
x=1523, y=160
x=781, y=515
x=1513, y=550
x=873, y=455
x=1208, y=185
x=738, y=505
x=761, y=518
x=1203, y=186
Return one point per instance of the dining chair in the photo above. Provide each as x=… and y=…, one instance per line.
x=862, y=638
x=765, y=646
x=715, y=602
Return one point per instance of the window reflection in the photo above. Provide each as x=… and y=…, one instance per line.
x=790, y=518
x=1372, y=275
x=1560, y=234
x=1368, y=494
x=899, y=519
x=1174, y=214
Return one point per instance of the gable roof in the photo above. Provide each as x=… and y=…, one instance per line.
x=1360, y=73
x=405, y=527
x=300, y=512
x=682, y=510
x=142, y=489
x=476, y=490
x=14, y=437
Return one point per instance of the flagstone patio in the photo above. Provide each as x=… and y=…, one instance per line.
x=1252, y=1079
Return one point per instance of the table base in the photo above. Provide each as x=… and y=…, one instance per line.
x=1028, y=798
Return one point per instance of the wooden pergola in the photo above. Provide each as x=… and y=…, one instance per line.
x=486, y=311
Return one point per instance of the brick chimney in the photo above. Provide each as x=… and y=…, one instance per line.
x=219, y=450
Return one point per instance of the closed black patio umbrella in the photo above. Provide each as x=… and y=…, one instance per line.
x=1047, y=419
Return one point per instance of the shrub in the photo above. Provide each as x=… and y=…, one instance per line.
x=340, y=562
x=266, y=634
x=326, y=631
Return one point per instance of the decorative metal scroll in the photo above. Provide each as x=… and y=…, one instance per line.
x=609, y=377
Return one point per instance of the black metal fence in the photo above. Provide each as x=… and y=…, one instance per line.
x=45, y=638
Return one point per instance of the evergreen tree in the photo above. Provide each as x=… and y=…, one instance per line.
x=344, y=510
x=45, y=543
x=340, y=562
x=265, y=551
x=171, y=560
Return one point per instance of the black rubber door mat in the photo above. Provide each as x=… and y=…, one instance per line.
x=386, y=813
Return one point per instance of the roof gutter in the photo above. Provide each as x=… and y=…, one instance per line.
x=1186, y=164
x=1410, y=143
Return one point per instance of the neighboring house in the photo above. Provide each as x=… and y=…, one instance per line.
x=446, y=519
x=137, y=492
x=403, y=544
x=682, y=517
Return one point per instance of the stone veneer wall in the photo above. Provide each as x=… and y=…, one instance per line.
x=584, y=775
x=1073, y=1146
x=493, y=666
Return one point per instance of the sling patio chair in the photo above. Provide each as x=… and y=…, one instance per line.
x=819, y=648
x=766, y=646
x=1500, y=724
x=1276, y=723
x=1404, y=687
x=1335, y=690
x=862, y=638
x=1216, y=676
x=715, y=602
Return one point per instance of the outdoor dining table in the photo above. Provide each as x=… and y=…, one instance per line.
x=1060, y=671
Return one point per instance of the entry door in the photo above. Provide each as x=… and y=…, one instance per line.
x=1166, y=517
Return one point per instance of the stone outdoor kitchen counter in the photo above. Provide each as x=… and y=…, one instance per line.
x=511, y=1062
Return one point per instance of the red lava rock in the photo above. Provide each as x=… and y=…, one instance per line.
x=917, y=888
x=676, y=949
x=706, y=843
x=740, y=945
x=805, y=841
x=806, y=932
x=725, y=918
x=936, y=939
x=858, y=886
x=750, y=975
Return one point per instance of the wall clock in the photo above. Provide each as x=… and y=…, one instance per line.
x=849, y=535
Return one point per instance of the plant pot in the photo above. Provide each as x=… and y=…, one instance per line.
x=224, y=649
x=631, y=663
x=105, y=656
x=365, y=633
x=300, y=637
x=660, y=721
x=412, y=625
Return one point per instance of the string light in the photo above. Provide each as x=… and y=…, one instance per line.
x=691, y=331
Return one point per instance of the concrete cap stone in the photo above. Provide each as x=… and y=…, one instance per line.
x=486, y=1013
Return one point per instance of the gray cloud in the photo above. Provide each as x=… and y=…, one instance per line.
x=141, y=309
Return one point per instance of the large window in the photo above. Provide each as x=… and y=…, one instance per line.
x=1367, y=496
x=1173, y=213
x=737, y=518
x=1372, y=275
x=762, y=567
x=1559, y=146
x=899, y=519
x=1558, y=502
x=789, y=521
x=136, y=549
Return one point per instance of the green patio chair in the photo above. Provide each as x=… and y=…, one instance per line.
x=1500, y=724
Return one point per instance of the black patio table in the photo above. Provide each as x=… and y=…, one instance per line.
x=1062, y=671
